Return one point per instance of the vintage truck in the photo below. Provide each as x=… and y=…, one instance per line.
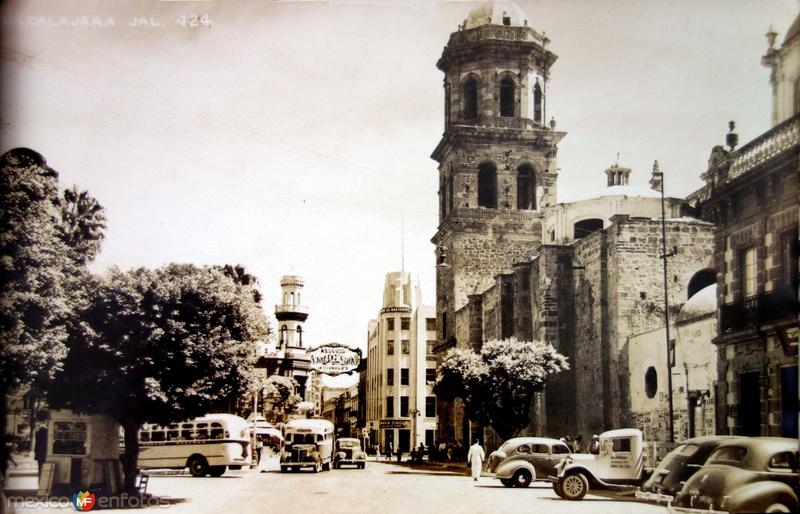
x=618, y=465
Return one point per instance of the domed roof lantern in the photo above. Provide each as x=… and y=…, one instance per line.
x=497, y=13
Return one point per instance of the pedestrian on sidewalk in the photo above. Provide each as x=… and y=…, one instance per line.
x=389, y=451
x=40, y=447
x=475, y=458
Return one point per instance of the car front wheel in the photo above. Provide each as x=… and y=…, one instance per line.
x=574, y=486
x=507, y=482
x=522, y=478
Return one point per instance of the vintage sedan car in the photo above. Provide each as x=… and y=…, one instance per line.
x=524, y=459
x=744, y=475
x=678, y=466
x=618, y=466
x=348, y=450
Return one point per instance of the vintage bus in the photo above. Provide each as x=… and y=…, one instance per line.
x=307, y=443
x=207, y=445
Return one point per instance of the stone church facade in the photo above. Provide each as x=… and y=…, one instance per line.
x=584, y=276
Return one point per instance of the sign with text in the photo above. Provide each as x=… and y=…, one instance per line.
x=394, y=423
x=334, y=359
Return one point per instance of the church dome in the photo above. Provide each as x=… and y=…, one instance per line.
x=497, y=13
x=702, y=303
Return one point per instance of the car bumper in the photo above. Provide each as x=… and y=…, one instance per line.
x=654, y=497
x=689, y=510
x=350, y=461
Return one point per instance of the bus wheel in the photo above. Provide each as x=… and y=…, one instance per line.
x=198, y=466
x=326, y=466
x=284, y=469
x=216, y=471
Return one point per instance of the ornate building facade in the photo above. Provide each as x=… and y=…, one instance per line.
x=751, y=195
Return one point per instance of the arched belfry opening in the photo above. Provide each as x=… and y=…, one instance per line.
x=537, y=103
x=526, y=185
x=487, y=185
x=470, y=99
x=507, y=88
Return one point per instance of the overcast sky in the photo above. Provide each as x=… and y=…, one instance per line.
x=293, y=137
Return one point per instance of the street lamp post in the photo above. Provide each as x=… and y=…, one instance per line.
x=664, y=255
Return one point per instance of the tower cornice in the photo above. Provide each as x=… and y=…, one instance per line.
x=496, y=39
x=474, y=134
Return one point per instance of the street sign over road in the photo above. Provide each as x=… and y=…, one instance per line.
x=334, y=359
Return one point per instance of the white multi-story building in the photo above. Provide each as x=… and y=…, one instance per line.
x=401, y=368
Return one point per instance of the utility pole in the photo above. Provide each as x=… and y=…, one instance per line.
x=664, y=255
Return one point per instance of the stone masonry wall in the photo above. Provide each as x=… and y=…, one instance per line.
x=636, y=288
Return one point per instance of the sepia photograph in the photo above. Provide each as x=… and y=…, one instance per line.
x=392, y=256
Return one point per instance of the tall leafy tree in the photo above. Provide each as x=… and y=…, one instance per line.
x=160, y=345
x=43, y=252
x=281, y=396
x=497, y=384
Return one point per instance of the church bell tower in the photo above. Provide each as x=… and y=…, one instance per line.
x=497, y=156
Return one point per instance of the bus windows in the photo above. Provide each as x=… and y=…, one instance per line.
x=201, y=431
x=216, y=431
x=187, y=432
x=144, y=435
x=158, y=434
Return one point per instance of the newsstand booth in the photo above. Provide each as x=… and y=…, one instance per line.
x=84, y=452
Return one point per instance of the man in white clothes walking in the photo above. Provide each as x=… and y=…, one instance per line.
x=475, y=458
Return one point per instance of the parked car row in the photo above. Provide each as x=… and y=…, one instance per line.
x=717, y=474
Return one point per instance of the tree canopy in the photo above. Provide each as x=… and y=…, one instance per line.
x=281, y=395
x=160, y=345
x=42, y=256
x=497, y=384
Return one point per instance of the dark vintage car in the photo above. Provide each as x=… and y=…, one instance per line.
x=524, y=459
x=744, y=475
x=678, y=466
x=348, y=450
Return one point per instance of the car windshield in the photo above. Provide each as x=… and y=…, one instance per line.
x=728, y=454
x=686, y=450
x=507, y=446
x=349, y=444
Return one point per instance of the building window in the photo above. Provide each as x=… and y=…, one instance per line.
x=404, y=376
x=430, y=406
x=299, y=335
x=525, y=187
x=390, y=324
x=650, y=382
x=747, y=271
x=789, y=258
x=507, y=97
x=430, y=375
x=487, y=185
x=537, y=102
x=429, y=346
x=390, y=347
x=403, y=406
x=405, y=323
x=430, y=324
x=390, y=376
x=404, y=345
x=470, y=99
x=390, y=406
x=283, y=335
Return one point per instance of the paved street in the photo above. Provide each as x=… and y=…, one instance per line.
x=380, y=488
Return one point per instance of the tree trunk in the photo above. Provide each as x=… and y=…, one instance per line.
x=130, y=460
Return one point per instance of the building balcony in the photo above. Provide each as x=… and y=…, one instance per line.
x=302, y=309
x=758, y=310
x=496, y=33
